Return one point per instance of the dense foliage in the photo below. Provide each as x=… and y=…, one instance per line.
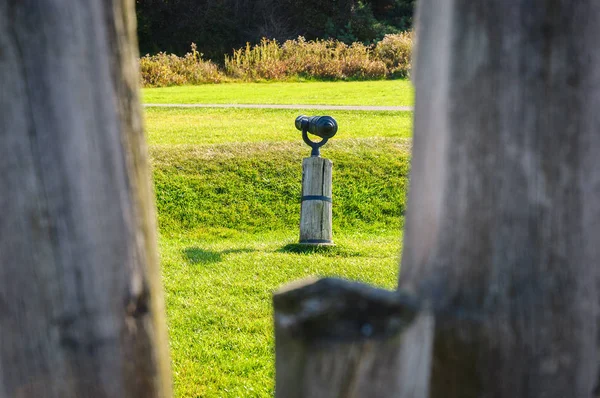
x=268, y=60
x=220, y=26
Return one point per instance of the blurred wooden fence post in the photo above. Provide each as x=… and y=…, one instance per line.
x=81, y=307
x=336, y=338
x=503, y=224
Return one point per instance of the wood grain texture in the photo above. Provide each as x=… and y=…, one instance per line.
x=340, y=339
x=80, y=299
x=503, y=215
x=315, y=215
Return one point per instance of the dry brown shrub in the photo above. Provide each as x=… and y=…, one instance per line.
x=268, y=60
x=170, y=70
x=396, y=51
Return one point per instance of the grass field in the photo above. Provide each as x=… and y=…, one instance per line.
x=379, y=92
x=228, y=212
x=219, y=302
x=200, y=126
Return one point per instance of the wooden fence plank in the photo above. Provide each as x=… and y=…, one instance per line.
x=503, y=213
x=343, y=339
x=81, y=312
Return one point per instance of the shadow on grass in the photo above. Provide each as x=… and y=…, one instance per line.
x=328, y=251
x=197, y=255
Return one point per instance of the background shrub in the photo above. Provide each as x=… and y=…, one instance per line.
x=170, y=70
x=395, y=51
x=268, y=60
x=319, y=59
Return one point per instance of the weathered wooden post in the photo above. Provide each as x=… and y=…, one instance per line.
x=341, y=339
x=503, y=218
x=81, y=308
x=315, y=212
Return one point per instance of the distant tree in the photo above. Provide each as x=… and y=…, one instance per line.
x=219, y=26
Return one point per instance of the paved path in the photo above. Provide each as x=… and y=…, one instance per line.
x=268, y=106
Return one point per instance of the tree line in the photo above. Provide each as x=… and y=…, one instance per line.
x=220, y=26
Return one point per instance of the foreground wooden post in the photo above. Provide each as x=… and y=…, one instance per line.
x=315, y=213
x=503, y=218
x=340, y=339
x=81, y=308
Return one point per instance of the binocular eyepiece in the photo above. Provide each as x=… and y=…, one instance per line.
x=321, y=126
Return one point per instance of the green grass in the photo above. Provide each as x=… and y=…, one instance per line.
x=227, y=194
x=233, y=188
x=219, y=302
x=228, y=214
x=379, y=92
x=200, y=126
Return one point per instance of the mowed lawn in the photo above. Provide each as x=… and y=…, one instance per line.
x=379, y=92
x=218, y=295
x=227, y=186
x=201, y=126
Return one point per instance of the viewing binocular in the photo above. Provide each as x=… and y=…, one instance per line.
x=321, y=126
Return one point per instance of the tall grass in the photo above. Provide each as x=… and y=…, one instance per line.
x=396, y=52
x=299, y=58
x=320, y=59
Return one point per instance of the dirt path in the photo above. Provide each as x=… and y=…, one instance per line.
x=269, y=106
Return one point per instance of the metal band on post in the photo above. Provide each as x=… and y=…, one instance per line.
x=317, y=197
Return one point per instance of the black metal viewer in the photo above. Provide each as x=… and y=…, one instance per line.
x=315, y=213
x=321, y=126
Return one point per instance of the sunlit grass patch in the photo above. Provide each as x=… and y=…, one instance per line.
x=381, y=92
x=201, y=126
